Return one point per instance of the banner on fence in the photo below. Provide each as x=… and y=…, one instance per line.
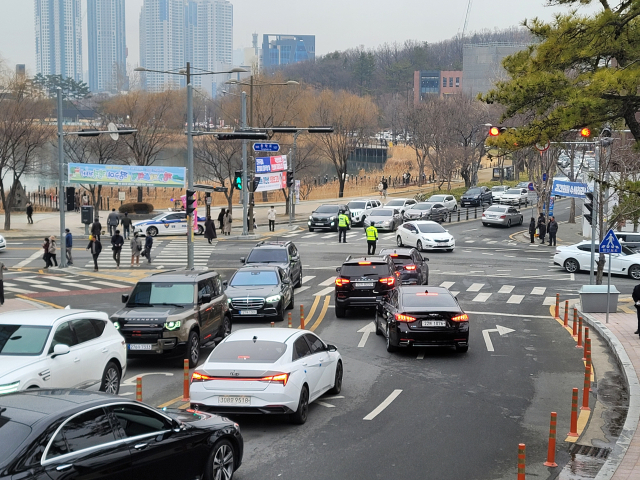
x=127, y=175
x=569, y=189
x=272, y=181
x=271, y=164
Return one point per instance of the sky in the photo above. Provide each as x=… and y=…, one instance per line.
x=337, y=24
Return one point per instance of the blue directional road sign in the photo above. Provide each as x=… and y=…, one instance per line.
x=266, y=147
x=610, y=243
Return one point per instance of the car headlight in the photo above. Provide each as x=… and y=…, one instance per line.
x=116, y=325
x=273, y=299
x=310, y=218
x=228, y=301
x=9, y=387
x=332, y=218
x=172, y=325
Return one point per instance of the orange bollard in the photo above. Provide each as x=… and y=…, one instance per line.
x=289, y=319
x=587, y=355
x=575, y=314
x=566, y=313
x=185, y=385
x=584, y=350
x=575, y=327
x=302, y=317
x=557, y=305
x=521, y=461
x=586, y=388
x=573, y=430
x=139, y=389
x=273, y=324
x=579, y=345
x=551, y=450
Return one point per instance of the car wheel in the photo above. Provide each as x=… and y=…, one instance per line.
x=509, y=223
x=193, y=349
x=377, y=323
x=299, y=282
x=300, y=415
x=312, y=229
x=485, y=224
x=462, y=348
x=225, y=328
x=222, y=461
x=337, y=382
x=455, y=208
x=521, y=220
x=110, y=379
x=340, y=311
x=200, y=230
x=634, y=272
x=280, y=312
x=399, y=241
x=153, y=231
x=571, y=265
x=390, y=348
x=290, y=306
x=419, y=245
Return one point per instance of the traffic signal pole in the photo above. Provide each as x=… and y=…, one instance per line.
x=595, y=217
x=190, y=255
x=245, y=185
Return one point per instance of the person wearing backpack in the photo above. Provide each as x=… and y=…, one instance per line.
x=148, y=243
x=136, y=248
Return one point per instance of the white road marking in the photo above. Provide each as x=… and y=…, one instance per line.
x=302, y=289
x=469, y=241
x=475, y=287
x=503, y=270
x=420, y=355
x=453, y=293
x=487, y=338
x=328, y=281
x=481, y=297
x=447, y=284
x=53, y=289
x=309, y=235
x=518, y=315
x=538, y=290
x=334, y=397
x=80, y=286
x=325, y=404
x=530, y=269
x=368, y=329
x=380, y=408
x=18, y=290
x=486, y=253
x=515, y=299
x=30, y=259
x=30, y=280
x=506, y=289
x=549, y=301
x=324, y=292
x=306, y=278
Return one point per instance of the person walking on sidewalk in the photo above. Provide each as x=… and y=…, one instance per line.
x=136, y=248
x=2, y=267
x=209, y=229
x=372, y=238
x=126, y=225
x=552, y=228
x=113, y=220
x=29, y=212
x=116, y=245
x=53, y=250
x=226, y=222
x=532, y=230
x=221, y=219
x=148, y=243
x=68, y=245
x=343, y=225
x=95, y=247
x=96, y=229
x=542, y=228
x=636, y=299
x=45, y=257
x=271, y=216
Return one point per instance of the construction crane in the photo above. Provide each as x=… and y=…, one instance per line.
x=466, y=18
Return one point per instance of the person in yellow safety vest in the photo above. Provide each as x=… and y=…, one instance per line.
x=372, y=238
x=343, y=223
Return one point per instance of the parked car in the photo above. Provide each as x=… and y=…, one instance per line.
x=522, y=185
x=577, y=257
x=71, y=434
x=384, y=218
x=428, y=211
x=515, y=196
x=410, y=264
x=449, y=201
x=502, y=215
x=60, y=349
x=498, y=191
x=401, y=204
x=629, y=240
x=267, y=370
x=476, y=196
x=282, y=254
x=360, y=209
x=425, y=235
x=325, y=217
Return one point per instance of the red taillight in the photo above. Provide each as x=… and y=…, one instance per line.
x=409, y=267
x=200, y=377
x=390, y=281
x=364, y=263
x=483, y=215
x=282, y=378
x=404, y=318
x=503, y=216
x=342, y=281
x=393, y=255
x=460, y=318
x=278, y=378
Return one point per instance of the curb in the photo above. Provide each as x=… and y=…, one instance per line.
x=633, y=415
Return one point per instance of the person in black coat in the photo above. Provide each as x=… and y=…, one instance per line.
x=95, y=247
x=221, y=218
x=209, y=229
x=636, y=298
x=532, y=229
x=542, y=227
x=552, y=229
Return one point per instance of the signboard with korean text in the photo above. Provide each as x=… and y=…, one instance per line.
x=271, y=164
x=272, y=181
x=569, y=189
x=127, y=175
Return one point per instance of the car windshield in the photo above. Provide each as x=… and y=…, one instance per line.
x=514, y=191
x=27, y=340
x=423, y=206
x=373, y=270
x=436, y=198
x=158, y=217
x=426, y=299
x=247, y=351
x=473, y=191
x=268, y=255
x=497, y=189
x=356, y=205
x=430, y=228
x=395, y=203
x=381, y=212
x=243, y=279
x=13, y=434
x=401, y=260
x=496, y=208
x=159, y=293
x=327, y=209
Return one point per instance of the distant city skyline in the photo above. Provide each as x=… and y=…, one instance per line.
x=107, y=45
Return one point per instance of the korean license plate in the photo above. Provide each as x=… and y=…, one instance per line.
x=248, y=312
x=365, y=284
x=234, y=400
x=140, y=346
x=434, y=323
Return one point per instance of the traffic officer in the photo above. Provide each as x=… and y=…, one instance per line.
x=343, y=223
x=372, y=238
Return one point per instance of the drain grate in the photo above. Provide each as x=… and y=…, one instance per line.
x=589, y=451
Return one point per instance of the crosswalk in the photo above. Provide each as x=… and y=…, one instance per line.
x=34, y=284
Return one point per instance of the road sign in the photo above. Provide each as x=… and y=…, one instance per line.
x=544, y=177
x=543, y=147
x=114, y=131
x=532, y=197
x=610, y=243
x=531, y=187
x=266, y=147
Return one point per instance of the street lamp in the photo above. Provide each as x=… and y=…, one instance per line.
x=187, y=73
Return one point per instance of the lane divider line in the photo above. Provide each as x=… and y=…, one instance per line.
x=309, y=316
x=23, y=297
x=170, y=402
x=323, y=312
x=380, y=408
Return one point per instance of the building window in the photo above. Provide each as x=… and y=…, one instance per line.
x=451, y=82
x=457, y=81
x=444, y=82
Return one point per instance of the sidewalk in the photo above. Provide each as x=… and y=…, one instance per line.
x=15, y=304
x=568, y=233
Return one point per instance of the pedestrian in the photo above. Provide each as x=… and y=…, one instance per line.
x=29, y=213
x=95, y=247
x=532, y=230
x=209, y=229
x=542, y=228
x=552, y=228
x=113, y=220
x=68, y=244
x=372, y=238
x=126, y=225
x=136, y=248
x=226, y=223
x=45, y=247
x=221, y=219
x=53, y=251
x=116, y=245
x=96, y=228
x=2, y=267
x=385, y=186
x=271, y=216
x=148, y=243
x=343, y=225
x=636, y=298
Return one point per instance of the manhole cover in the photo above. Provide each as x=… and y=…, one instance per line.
x=589, y=451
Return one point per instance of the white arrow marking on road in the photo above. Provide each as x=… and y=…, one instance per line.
x=367, y=330
x=501, y=330
x=131, y=382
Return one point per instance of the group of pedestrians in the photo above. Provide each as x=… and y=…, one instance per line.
x=544, y=228
x=224, y=221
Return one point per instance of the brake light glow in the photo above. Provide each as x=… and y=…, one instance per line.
x=503, y=216
x=460, y=318
x=342, y=281
x=410, y=267
x=404, y=318
x=282, y=378
x=200, y=377
x=390, y=281
x=364, y=263
x=393, y=255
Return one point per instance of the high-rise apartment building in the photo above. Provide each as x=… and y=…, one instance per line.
x=285, y=49
x=107, y=45
x=58, y=25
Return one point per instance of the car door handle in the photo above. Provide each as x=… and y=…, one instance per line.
x=76, y=360
x=141, y=446
x=64, y=468
x=105, y=350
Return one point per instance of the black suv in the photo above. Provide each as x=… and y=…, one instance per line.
x=363, y=282
x=413, y=267
x=281, y=254
x=476, y=196
x=326, y=217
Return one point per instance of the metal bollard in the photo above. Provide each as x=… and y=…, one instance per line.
x=521, y=461
x=551, y=450
x=458, y=214
x=585, y=388
x=273, y=324
x=573, y=430
x=449, y=217
x=185, y=384
x=475, y=212
x=467, y=214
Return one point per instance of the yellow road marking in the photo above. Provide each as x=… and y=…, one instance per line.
x=325, y=307
x=307, y=318
x=39, y=301
x=583, y=418
x=185, y=406
x=170, y=402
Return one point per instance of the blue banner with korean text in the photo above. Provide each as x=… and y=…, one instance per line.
x=569, y=189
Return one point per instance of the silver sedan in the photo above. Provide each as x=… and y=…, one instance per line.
x=502, y=215
x=384, y=218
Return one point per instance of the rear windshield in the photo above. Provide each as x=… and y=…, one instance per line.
x=496, y=208
x=497, y=189
x=268, y=255
x=473, y=191
x=356, y=205
x=248, y=351
x=375, y=269
x=28, y=340
x=423, y=206
x=12, y=434
x=395, y=203
x=514, y=191
x=241, y=279
x=381, y=212
x=327, y=209
x=420, y=299
x=401, y=260
x=436, y=198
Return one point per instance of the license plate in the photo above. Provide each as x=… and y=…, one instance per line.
x=248, y=312
x=234, y=400
x=434, y=323
x=140, y=346
x=366, y=284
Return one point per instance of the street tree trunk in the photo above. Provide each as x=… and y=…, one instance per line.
x=572, y=211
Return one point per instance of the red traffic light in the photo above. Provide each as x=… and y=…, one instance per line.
x=495, y=131
x=585, y=132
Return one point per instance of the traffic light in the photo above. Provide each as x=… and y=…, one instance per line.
x=289, y=178
x=585, y=132
x=253, y=185
x=237, y=181
x=494, y=131
x=588, y=204
x=191, y=199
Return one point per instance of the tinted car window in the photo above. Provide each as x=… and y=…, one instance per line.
x=496, y=208
x=87, y=430
x=268, y=255
x=364, y=270
x=300, y=348
x=13, y=434
x=135, y=420
x=431, y=228
x=99, y=325
x=63, y=336
x=248, y=351
x=421, y=299
x=356, y=205
x=85, y=331
x=204, y=288
x=22, y=339
x=402, y=260
x=473, y=191
x=327, y=209
x=395, y=203
x=261, y=277
x=382, y=212
x=315, y=343
x=157, y=293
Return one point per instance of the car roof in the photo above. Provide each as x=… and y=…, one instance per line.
x=372, y=258
x=384, y=208
x=424, y=222
x=412, y=289
x=259, y=266
x=45, y=316
x=399, y=251
x=180, y=275
x=273, y=244
x=266, y=334
x=404, y=199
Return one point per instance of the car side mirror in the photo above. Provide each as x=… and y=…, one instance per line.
x=206, y=298
x=60, y=349
x=225, y=284
x=243, y=259
x=295, y=258
x=176, y=426
x=125, y=297
x=332, y=348
x=338, y=269
x=286, y=281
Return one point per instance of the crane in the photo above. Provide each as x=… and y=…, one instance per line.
x=466, y=18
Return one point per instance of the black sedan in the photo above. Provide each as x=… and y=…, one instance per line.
x=410, y=264
x=75, y=434
x=422, y=317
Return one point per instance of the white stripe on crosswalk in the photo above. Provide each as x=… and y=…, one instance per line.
x=27, y=261
x=30, y=280
x=453, y=293
x=302, y=289
x=111, y=284
x=326, y=291
x=328, y=281
x=515, y=299
x=329, y=235
x=53, y=289
x=306, y=278
x=549, y=301
x=538, y=291
x=309, y=235
x=506, y=289
x=447, y=284
x=18, y=290
x=475, y=287
x=481, y=297
x=79, y=285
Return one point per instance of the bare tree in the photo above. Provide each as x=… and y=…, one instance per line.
x=217, y=161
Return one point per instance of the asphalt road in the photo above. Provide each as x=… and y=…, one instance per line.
x=450, y=415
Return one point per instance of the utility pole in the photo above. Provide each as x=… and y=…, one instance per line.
x=245, y=173
x=190, y=217
x=61, y=202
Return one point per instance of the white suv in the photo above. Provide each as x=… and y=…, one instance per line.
x=360, y=209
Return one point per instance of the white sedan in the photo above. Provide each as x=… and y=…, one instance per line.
x=425, y=235
x=577, y=257
x=267, y=370
x=60, y=349
x=168, y=223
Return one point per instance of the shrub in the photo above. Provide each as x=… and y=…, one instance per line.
x=138, y=207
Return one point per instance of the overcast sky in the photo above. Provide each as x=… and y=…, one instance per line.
x=337, y=24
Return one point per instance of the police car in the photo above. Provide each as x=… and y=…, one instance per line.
x=168, y=223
